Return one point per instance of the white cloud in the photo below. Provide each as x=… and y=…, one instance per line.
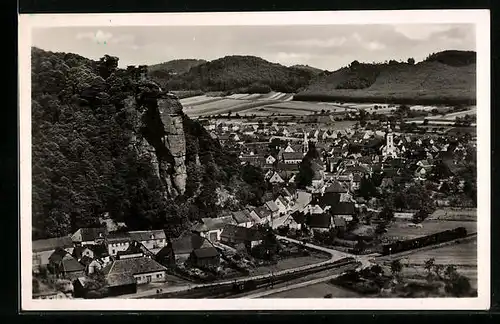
x=126, y=38
x=375, y=46
x=420, y=31
x=325, y=43
x=99, y=36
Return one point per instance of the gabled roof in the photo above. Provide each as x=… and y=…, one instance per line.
x=328, y=199
x=206, y=252
x=339, y=221
x=92, y=233
x=343, y=208
x=318, y=220
x=51, y=244
x=299, y=217
x=292, y=155
x=242, y=216
x=282, y=200
x=217, y=223
x=147, y=235
x=58, y=255
x=187, y=243
x=271, y=205
x=118, y=237
x=287, y=167
x=242, y=234
x=262, y=212
x=86, y=260
x=71, y=265
x=132, y=266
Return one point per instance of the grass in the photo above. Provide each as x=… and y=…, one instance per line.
x=401, y=231
x=289, y=263
x=428, y=82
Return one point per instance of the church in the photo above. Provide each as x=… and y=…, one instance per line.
x=389, y=149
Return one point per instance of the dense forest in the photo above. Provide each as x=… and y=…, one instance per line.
x=241, y=74
x=166, y=69
x=85, y=162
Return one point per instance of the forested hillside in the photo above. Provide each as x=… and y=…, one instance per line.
x=109, y=140
x=166, y=69
x=446, y=77
x=241, y=74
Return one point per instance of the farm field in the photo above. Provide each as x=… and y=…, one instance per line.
x=450, y=214
x=463, y=254
x=401, y=230
x=318, y=290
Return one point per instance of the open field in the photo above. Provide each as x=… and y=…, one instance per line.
x=401, y=230
x=463, y=254
x=289, y=263
x=452, y=214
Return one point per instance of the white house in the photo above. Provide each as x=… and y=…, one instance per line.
x=282, y=204
x=270, y=159
x=276, y=178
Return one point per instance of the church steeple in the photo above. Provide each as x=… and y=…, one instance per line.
x=305, y=143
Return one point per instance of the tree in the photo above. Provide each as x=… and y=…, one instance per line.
x=411, y=61
x=429, y=265
x=396, y=267
x=387, y=214
x=306, y=173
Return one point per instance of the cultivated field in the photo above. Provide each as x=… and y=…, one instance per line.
x=401, y=230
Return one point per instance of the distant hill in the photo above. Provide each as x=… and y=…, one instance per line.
x=445, y=77
x=174, y=66
x=241, y=74
x=311, y=69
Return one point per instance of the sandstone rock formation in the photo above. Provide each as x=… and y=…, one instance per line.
x=159, y=137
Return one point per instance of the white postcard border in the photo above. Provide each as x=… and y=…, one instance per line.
x=480, y=18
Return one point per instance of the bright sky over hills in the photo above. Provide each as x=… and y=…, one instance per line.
x=326, y=46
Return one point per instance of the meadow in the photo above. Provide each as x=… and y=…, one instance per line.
x=401, y=230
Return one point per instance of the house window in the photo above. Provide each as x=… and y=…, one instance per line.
x=158, y=275
x=113, y=252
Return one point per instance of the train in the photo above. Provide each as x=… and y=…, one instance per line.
x=444, y=236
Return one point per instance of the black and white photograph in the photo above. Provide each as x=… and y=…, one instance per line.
x=221, y=159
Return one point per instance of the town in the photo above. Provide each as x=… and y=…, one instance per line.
x=361, y=195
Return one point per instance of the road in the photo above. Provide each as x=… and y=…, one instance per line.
x=364, y=260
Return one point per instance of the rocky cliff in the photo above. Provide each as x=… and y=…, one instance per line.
x=159, y=136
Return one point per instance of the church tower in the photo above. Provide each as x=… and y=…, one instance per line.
x=305, y=144
x=389, y=149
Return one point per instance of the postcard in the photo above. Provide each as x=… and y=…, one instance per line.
x=255, y=161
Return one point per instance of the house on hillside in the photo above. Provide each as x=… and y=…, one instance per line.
x=319, y=222
x=346, y=210
x=143, y=270
x=178, y=250
x=116, y=242
x=273, y=208
x=63, y=265
x=276, y=178
x=270, y=159
x=211, y=228
x=205, y=257
x=285, y=221
x=282, y=204
x=243, y=218
x=263, y=213
x=292, y=157
x=153, y=240
x=43, y=249
x=89, y=236
x=234, y=235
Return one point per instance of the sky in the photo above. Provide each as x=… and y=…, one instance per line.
x=327, y=47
